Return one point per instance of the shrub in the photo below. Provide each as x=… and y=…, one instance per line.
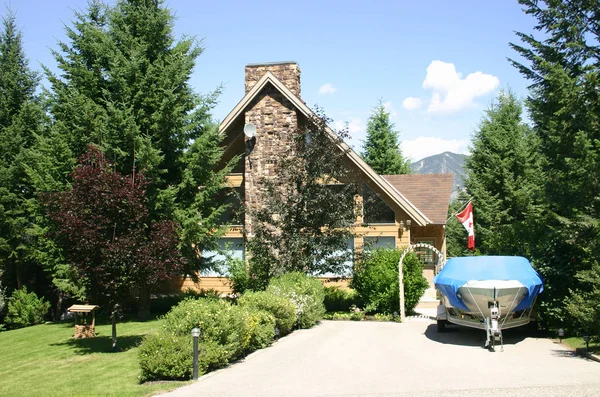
x=306, y=293
x=25, y=309
x=341, y=316
x=281, y=308
x=239, y=278
x=253, y=328
x=162, y=304
x=383, y=317
x=375, y=279
x=340, y=299
x=210, y=315
x=584, y=306
x=355, y=314
x=166, y=356
x=415, y=283
x=227, y=332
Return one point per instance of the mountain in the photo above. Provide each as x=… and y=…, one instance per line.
x=444, y=163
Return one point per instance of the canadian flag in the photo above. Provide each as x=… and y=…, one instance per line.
x=466, y=218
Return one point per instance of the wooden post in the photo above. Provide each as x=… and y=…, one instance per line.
x=401, y=281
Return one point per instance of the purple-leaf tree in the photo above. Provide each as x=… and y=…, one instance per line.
x=102, y=223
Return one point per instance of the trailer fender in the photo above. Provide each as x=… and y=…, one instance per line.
x=442, y=313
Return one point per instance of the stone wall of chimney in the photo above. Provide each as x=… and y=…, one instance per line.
x=286, y=72
x=276, y=120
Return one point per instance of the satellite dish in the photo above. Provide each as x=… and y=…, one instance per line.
x=250, y=130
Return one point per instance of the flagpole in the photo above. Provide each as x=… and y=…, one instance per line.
x=460, y=210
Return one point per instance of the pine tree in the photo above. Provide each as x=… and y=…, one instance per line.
x=382, y=149
x=20, y=120
x=503, y=180
x=456, y=235
x=564, y=106
x=124, y=86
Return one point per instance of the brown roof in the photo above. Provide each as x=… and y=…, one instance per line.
x=430, y=193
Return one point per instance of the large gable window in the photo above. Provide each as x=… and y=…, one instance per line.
x=375, y=210
x=234, y=214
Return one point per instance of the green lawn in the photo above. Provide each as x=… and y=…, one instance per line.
x=576, y=342
x=46, y=361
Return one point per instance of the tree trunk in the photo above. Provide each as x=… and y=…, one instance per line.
x=143, y=304
x=58, y=309
x=115, y=348
x=18, y=272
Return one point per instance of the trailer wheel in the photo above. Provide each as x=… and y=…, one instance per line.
x=441, y=325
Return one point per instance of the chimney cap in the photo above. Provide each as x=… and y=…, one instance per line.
x=272, y=63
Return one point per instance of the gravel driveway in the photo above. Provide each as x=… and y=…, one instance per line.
x=410, y=359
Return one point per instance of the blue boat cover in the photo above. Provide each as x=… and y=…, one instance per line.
x=458, y=271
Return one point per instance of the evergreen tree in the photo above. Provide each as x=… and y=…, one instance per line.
x=503, y=179
x=456, y=235
x=124, y=86
x=564, y=106
x=20, y=120
x=382, y=149
x=308, y=210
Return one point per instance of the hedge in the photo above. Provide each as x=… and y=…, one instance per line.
x=305, y=292
x=375, y=279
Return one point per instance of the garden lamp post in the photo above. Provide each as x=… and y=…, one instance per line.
x=561, y=334
x=587, y=338
x=195, y=334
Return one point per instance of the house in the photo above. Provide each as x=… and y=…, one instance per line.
x=416, y=205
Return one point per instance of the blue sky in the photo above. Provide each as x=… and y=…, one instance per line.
x=436, y=64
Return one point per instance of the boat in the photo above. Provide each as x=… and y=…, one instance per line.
x=491, y=293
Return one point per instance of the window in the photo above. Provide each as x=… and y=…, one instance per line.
x=228, y=248
x=234, y=214
x=427, y=256
x=370, y=243
x=375, y=210
x=339, y=208
x=347, y=266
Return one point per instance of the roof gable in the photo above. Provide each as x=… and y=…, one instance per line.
x=268, y=78
x=429, y=192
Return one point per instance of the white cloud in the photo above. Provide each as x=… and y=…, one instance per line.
x=390, y=109
x=411, y=103
x=355, y=126
x=327, y=89
x=422, y=147
x=451, y=92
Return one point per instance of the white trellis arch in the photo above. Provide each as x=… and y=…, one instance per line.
x=411, y=248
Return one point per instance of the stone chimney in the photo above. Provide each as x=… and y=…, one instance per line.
x=276, y=120
x=286, y=72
